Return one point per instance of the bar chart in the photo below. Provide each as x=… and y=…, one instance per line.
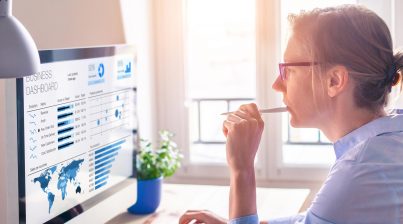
x=65, y=126
x=101, y=162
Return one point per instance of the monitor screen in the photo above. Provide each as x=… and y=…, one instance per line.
x=76, y=131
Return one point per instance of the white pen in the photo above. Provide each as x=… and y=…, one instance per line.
x=271, y=110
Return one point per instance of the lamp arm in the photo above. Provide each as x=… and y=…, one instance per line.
x=5, y=7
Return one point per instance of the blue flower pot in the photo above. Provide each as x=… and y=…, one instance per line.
x=148, y=196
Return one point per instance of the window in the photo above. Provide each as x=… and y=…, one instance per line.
x=220, y=69
x=213, y=56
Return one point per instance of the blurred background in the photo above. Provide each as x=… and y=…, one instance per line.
x=197, y=59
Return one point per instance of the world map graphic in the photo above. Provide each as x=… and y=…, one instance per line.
x=59, y=176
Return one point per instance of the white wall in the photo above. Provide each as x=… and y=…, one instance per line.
x=71, y=23
x=398, y=23
x=139, y=30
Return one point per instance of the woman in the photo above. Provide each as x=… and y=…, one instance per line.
x=339, y=69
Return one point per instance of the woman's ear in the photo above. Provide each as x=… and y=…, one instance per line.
x=337, y=79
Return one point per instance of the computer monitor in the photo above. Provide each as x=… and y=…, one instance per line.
x=76, y=131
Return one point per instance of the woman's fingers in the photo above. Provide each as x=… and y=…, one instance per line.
x=251, y=109
x=201, y=216
x=190, y=216
x=238, y=116
x=248, y=112
x=234, y=118
x=227, y=126
x=241, y=114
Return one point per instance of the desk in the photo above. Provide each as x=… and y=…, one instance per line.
x=177, y=198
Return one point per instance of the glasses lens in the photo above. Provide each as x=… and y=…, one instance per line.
x=282, y=71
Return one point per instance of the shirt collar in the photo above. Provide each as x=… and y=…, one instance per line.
x=387, y=124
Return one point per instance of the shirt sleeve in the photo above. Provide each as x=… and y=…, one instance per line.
x=308, y=218
x=250, y=219
x=288, y=220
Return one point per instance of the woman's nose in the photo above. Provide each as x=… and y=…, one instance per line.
x=278, y=85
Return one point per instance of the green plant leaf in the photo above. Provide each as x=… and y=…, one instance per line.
x=163, y=161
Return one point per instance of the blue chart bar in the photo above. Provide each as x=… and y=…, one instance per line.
x=110, y=156
x=103, y=169
x=63, y=123
x=100, y=185
x=65, y=145
x=59, y=132
x=103, y=163
x=99, y=155
x=104, y=157
x=100, y=180
x=61, y=116
x=97, y=176
x=62, y=108
x=109, y=146
x=63, y=138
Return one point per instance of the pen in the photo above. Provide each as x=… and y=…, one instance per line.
x=271, y=110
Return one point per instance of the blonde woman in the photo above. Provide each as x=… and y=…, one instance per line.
x=338, y=70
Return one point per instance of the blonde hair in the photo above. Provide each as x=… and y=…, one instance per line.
x=357, y=38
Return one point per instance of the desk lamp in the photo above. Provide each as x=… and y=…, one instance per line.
x=18, y=53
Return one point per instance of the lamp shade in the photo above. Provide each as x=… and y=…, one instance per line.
x=18, y=53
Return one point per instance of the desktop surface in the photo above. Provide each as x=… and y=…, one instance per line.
x=178, y=198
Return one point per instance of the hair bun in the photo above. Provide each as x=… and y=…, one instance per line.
x=396, y=78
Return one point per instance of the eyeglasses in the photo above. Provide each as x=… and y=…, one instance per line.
x=283, y=71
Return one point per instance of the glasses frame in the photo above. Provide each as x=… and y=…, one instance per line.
x=282, y=67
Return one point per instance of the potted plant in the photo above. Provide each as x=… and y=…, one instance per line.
x=152, y=166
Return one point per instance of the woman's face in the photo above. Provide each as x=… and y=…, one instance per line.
x=297, y=89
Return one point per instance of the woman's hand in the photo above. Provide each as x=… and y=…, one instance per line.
x=201, y=216
x=243, y=130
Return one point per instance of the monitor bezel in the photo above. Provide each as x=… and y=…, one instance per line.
x=58, y=55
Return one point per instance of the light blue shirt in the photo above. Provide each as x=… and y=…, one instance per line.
x=365, y=185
